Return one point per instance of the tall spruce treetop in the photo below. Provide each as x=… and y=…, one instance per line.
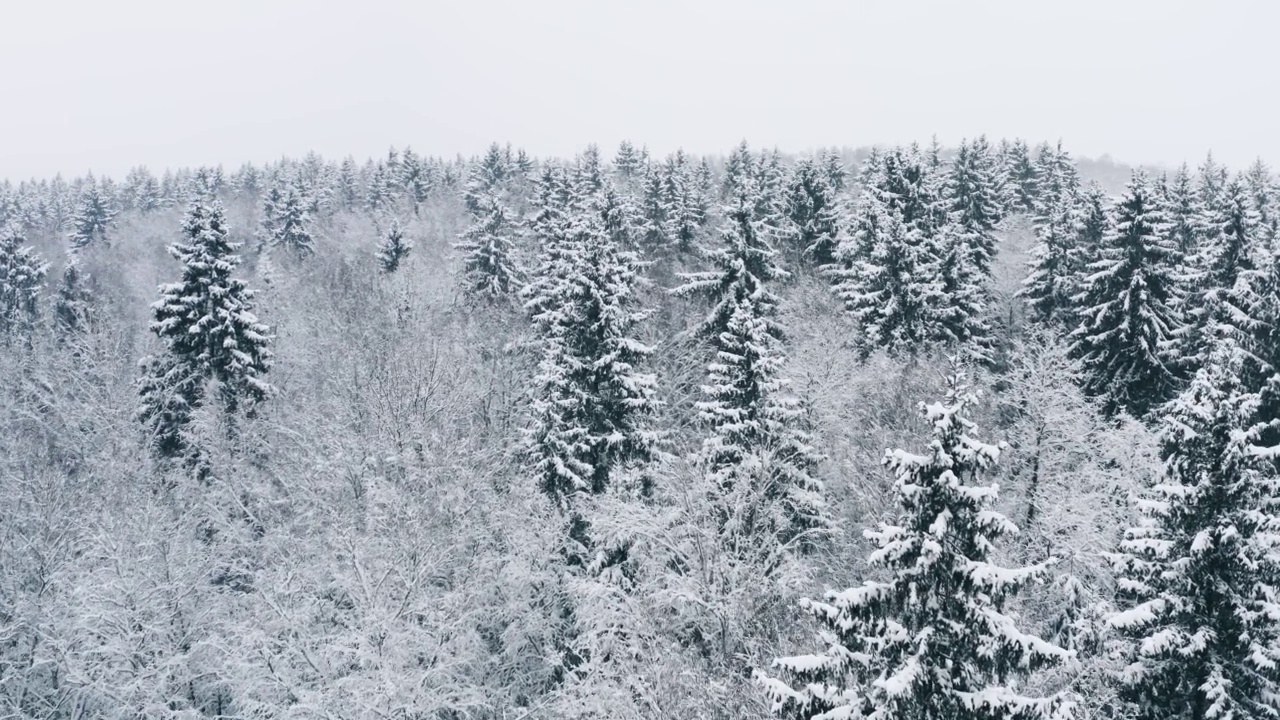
x=1199, y=576
x=888, y=279
x=206, y=319
x=627, y=161
x=812, y=211
x=286, y=221
x=490, y=269
x=743, y=264
x=94, y=214
x=591, y=411
x=1055, y=265
x=930, y=642
x=1023, y=179
x=684, y=205
x=394, y=248
x=738, y=167
x=760, y=459
x=973, y=200
x=22, y=275
x=1129, y=319
x=73, y=309
x=1182, y=209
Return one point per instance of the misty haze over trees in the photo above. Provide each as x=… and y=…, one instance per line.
x=911, y=432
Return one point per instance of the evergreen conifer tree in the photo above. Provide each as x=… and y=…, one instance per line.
x=94, y=215
x=592, y=406
x=887, y=279
x=1056, y=264
x=394, y=248
x=1129, y=319
x=489, y=262
x=73, y=305
x=627, y=161
x=973, y=202
x=210, y=333
x=931, y=640
x=22, y=275
x=1199, y=575
x=744, y=264
x=812, y=212
x=288, y=222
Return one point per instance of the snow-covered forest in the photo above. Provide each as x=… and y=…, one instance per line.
x=909, y=433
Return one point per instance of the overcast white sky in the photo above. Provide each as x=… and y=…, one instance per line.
x=107, y=85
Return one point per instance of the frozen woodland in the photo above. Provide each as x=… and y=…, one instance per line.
x=904, y=433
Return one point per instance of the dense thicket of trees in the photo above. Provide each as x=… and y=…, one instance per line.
x=513, y=437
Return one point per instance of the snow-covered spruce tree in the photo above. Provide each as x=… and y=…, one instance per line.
x=489, y=263
x=416, y=178
x=930, y=642
x=394, y=248
x=1020, y=172
x=684, y=211
x=627, y=161
x=654, y=230
x=1129, y=321
x=744, y=264
x=592, y=402
x=886, y=280
x=1199, y=575
x=1182, y=210
x=738, y=166
x=1056, y=264
x=94, y=214
x=285, y=220
x=22, y=275
x=209, y=331
x=833, y=166
x=73, y=310
x=759, y=458
x=1056, y=175
x=813, y=212
x=973, y=201
x=962, y=310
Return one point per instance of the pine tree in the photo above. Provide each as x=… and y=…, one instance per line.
x=1023, y=180
x=347, y=184
x=834, y=167
x=887, y=280
x=930, y=642
x=142, y=190
x=627, y=161
x=683, y=207
x=415, y=176
x=744, y=265
x=1199, y=574
x=288, y=222
x=593, y=403
x=210, y=333
x=812, y=212
x=487, y=176
x=489, y=264
x=654, y=229
x=973, y=202
x=1126, y=340
x=758, y=456
x=737, y=168
x=1056, y=176
x=22, y=276
x=94, y=215
x=1056, y=264
x=73, y=306
x=394, y=248
x=1182, y=210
